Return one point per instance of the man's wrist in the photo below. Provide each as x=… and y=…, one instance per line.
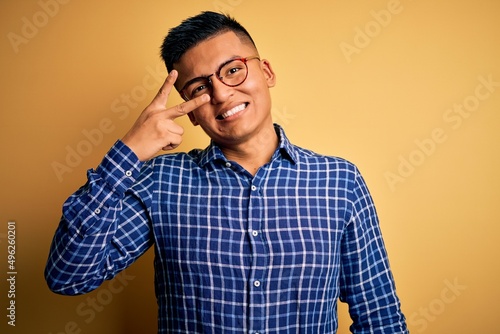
x=120, y=167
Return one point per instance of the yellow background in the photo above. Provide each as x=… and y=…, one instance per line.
x=380, y=90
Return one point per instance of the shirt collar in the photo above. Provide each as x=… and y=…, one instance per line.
x=285, y=150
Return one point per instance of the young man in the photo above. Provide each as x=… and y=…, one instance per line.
x=251, y=234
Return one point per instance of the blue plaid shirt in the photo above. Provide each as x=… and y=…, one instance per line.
x=234, y=253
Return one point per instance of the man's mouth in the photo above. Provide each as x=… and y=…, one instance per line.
x=232, y=111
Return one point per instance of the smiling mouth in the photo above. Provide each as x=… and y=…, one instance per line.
x=232, y=112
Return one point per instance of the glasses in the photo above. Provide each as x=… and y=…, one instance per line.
x=232, y=73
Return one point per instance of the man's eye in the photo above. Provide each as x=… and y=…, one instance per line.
x=232, y=71
x=199, y=89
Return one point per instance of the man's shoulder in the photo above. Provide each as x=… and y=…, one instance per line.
x=308, y=156
x=176, y=158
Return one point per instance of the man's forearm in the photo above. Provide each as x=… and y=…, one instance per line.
x=83, y=253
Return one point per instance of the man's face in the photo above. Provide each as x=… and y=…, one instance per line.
x=249, y=104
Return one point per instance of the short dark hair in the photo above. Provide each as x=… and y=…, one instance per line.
x=195, y=30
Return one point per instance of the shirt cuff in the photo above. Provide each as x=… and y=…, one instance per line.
x=120, y=168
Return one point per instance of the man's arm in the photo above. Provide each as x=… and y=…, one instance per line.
x=105, y=226
x=367, y=284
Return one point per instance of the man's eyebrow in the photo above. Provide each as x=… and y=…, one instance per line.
x=228, y=60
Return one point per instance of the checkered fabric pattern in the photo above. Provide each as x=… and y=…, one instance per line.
x=234, y=253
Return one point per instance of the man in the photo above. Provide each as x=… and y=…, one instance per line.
x=251, y=234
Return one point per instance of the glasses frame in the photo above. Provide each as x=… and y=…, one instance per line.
x=217, y=75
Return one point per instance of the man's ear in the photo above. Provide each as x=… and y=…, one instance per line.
x=193, y=119
x=268, y=72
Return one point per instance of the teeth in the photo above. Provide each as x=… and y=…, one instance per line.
x=233, y=111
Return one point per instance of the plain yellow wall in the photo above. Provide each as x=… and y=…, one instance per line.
x=409, y=90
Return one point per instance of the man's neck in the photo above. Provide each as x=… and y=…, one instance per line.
x=254, y=153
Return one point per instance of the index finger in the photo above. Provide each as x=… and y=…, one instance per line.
x=161, y=97
x=188, y=106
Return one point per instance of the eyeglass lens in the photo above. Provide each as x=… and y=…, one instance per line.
x=231, y=74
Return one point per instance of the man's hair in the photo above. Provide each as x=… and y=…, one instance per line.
x=195, y=30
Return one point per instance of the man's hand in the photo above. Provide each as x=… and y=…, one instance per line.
x=155, y=128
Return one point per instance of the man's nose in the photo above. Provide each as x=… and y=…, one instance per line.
x=220, y=91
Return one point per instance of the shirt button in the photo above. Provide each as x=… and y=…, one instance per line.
x=254, y=188
x=256, y=284
x=97, y=211
x=128, y=173
x=255, y=233
x=228, y=164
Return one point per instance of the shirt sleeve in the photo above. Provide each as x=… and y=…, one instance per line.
x=104, y=227
x=367, y=284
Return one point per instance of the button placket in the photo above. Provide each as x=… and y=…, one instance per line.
x=260, y=254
